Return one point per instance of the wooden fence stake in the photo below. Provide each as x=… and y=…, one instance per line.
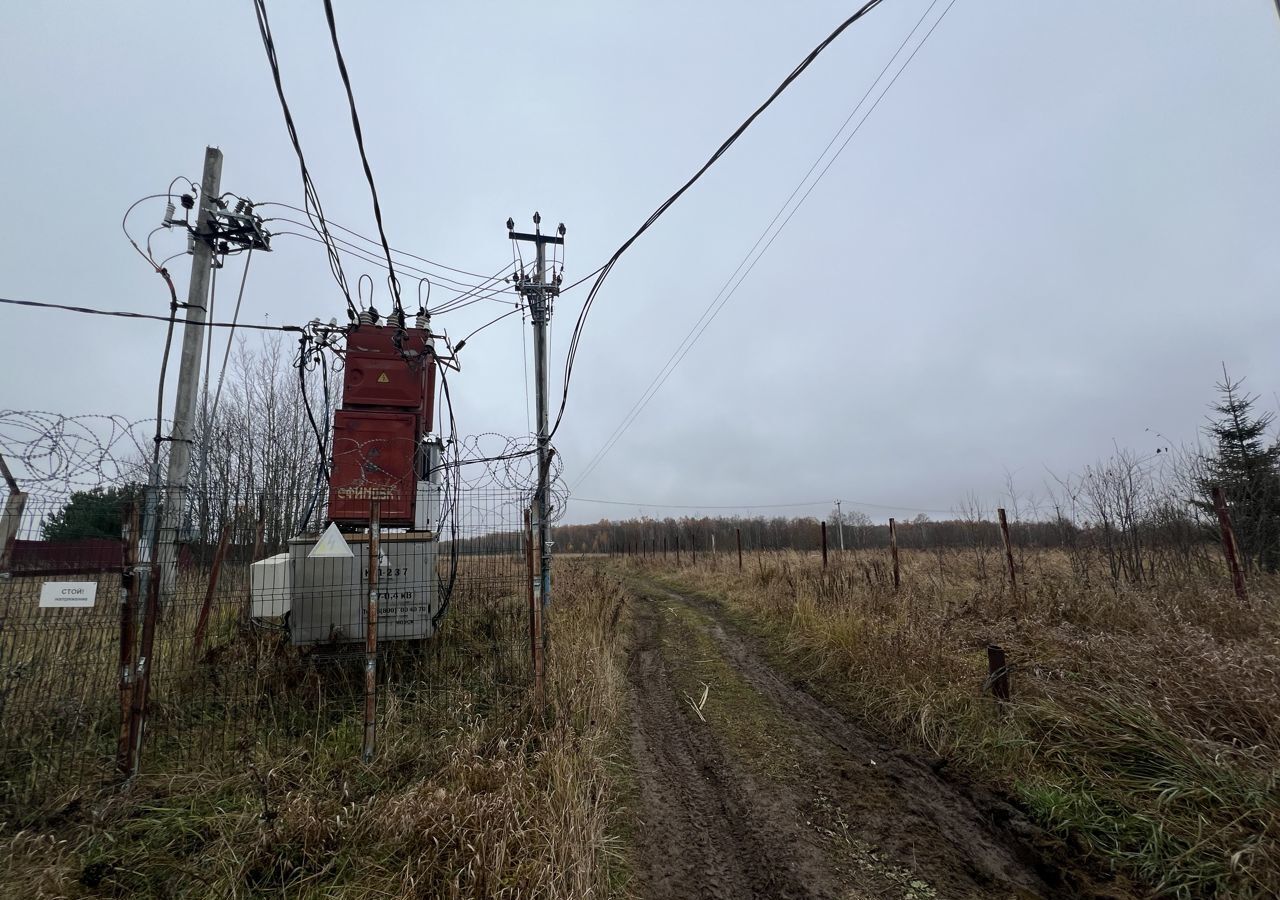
x=693, y=547
x=371, y=635
x=677, y=550
x=893, y=552
x=824, y=544
x=1008, y=551
x=1229, y=547
x=998, y=673
x=739, y=530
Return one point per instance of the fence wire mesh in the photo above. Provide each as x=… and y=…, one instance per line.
x=215, y=640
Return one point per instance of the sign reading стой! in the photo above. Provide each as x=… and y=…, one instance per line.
x=57, y=594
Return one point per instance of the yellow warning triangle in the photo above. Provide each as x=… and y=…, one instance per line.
x=383, y=379
x=331, y=545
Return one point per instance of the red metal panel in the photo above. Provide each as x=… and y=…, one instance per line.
x=373, y=459
x=380, y=375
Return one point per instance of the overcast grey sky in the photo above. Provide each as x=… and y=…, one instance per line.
x=1055, y=227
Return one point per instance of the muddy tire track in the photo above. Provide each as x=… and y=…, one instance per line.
x=863, y=819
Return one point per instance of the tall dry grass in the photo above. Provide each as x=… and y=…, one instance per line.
x=1145, y=725
x=515, y=802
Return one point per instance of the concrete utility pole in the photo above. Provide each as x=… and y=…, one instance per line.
x=840, y=524
x=193, y=337
x=539, y=293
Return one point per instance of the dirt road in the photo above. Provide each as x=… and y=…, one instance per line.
x=749, y=787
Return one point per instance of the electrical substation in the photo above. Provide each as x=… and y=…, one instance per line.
x=385, y=453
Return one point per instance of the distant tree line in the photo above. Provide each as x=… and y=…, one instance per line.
x=1138, y=514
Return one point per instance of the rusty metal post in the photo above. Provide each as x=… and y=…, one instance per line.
x=128, y=629
x=371, y=635
x=739, y=530
x=142, y=672
x=535, y=614
x=893, y=552
x=997, y=673
x=824, y=544
x=1008, y=551
x=202, y=623
x=1229, y=547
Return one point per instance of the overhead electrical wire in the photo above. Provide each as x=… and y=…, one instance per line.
x=367, y=239
x=124, y=314
x=314, y=210
x=483, y=291
x=444, y=281
x=730, y=286
x=364, y=158
x=235, y=318
x=576, y=338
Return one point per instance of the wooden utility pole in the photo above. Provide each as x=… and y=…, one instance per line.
x=1229, y=547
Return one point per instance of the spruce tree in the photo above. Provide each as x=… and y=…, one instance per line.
x=1246, y=464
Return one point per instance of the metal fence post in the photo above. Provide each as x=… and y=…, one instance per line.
x=535, y=613
x=893, y=551
x=824, y=545
x=202, y=623
x=128, y=629
x=371, y=635
x=739, y=531
x=11, y=518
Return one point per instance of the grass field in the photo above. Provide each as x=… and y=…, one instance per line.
x=1145, y=722
x=465, y=797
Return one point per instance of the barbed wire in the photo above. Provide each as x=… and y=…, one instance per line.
x=490, y=461
x=54, y=455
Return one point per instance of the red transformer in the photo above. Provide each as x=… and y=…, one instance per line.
x=387, y=392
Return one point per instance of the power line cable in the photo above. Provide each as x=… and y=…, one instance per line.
x=235, y=317
x=125, y=314
x=314, y=210
x=444, y=281
x=666, y=204
x=367, y=239
x=730, y=287
x=364, y=159
x=483, y=291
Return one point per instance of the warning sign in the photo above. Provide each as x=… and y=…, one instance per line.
x=331, y=545
x=383, y=379
x=67, y=594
